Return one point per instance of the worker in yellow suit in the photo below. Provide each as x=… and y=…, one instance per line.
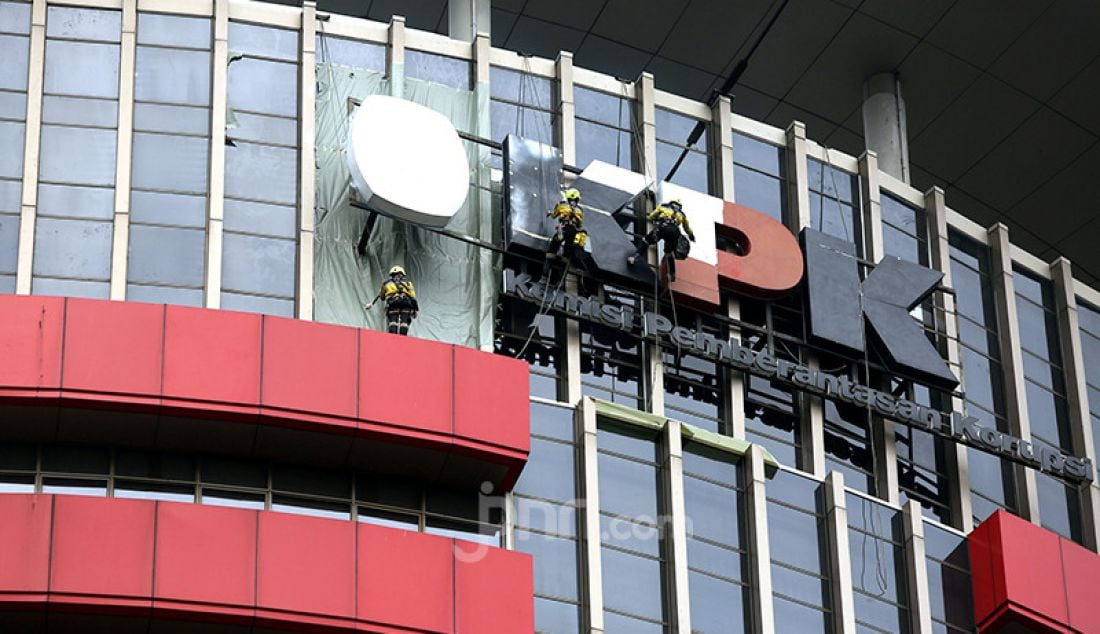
x=667, y=221
x=400, y=297
x=569, y=236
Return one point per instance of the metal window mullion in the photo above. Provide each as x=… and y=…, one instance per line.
x=840, y=563
x=1069, y=333
x=591, y=565
x=219, y=61
x=120, y=242
x=676, y=547
x=1008, y=322
x=759, y=555
x=36, y=63
x=307, y=132
x=646, y=92
x=920, y=606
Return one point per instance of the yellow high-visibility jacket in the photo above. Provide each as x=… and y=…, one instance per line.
x=668, y=214
x=392, y=290
x=566, y=213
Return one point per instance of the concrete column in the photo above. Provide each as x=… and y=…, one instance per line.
x=591, y=564
x=395, y=56
x=935, y=205
x=812, y=428
x=734, y=397
x=307, y=126
x=840, y=563
x=760, y=558
x=721, y=138
x=916, y=567
x=218, y=105
x=798, y=178
x=120, y=242
x=567, y=131
x=467, y=18
x=1004, y=294
x=883, y=438
x=1069, y=333
x=31, y=149
x=884, y=126
x=482, y=50
x=679, y=607
x=647, y=109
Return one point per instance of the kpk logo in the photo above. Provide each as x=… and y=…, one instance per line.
x=843, y=310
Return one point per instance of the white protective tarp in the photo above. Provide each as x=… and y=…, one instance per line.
x=453, y=279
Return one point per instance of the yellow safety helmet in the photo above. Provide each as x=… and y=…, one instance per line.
x=397, y=270
x=572, y=194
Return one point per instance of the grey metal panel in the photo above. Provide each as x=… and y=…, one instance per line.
x=832, y=287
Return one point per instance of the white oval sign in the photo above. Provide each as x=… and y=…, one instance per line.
x=407, y=161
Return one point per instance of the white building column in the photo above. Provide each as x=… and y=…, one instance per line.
x=1080, y=421
x=680, y=607
x=218, y=104
x=840, y=562
x=307, y=122
x=31, y=149
x=1008, y=322
x=120, y=242
x=591, y=563
x=760, y=558
x=647, y=109
x=884, y=126
x=467, y=18
x=395, y=56
x=916, y=566
x=935, y=205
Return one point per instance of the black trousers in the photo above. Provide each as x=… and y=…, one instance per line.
x=667, y=233
x=399, y=314
x=565, y=239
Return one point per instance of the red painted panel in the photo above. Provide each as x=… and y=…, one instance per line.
x=696, y=284
x=212, y=355
x=205, y=554
x=405, y=578
x=306, y=564
x=491, y=399
x=25, y=543
x=985, y=568
x=486, y=580
x=405, y=381
x=113, y=347
x=30, y=341
x=309, y=367
x=102, y=547
x=1032, y=568
x=772, y=264
x=1081, y=568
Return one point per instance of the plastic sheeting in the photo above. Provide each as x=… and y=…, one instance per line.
x=454, y=280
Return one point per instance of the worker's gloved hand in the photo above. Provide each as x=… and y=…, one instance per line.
x=691, y=236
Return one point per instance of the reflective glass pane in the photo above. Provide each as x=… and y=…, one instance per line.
x=169, y=209
x=758, y=154
x=713, y=511
x=254, y=127
x=270, y=220
x=261, y=172
x=253, y=304
x=440, y=69
x=70, y=459
x=11, y=192
x=77, y=202
x=84, y=24
x=164, y=255
x=555, y=616
x=265, y=41
x=599, y=106
x=160, y=118
x=549, y=471
x=64, y=486
x=555, y=422
x=693, y=173
x=632, y=584
x=258, y=265
x=15, y=17
x=150, y=491
x=164, y=295
x=78, y=155
x=172, y=76
x=520, y=87
x=235, y=499
x=555, y=562
x=628, y=488
x=264, y=86
x=14, y=49
x=313, y=508
x=546, y=517
x=7, y=283
x=599, y=142
x=797, y=585
x=78, y=111
x=640, y=537
x=13, y=105
x=717, y=560
x=72, y=248
x=717, y=606
x=169, y=162
x=81, y=68
x=338, y=50
x=800, y=536
x=70, y=288
x=173, y=30
x=758, y=191
x=11, y=139
x=507, y=118
x=793, y=617
x=9, y=242
x=142, y=464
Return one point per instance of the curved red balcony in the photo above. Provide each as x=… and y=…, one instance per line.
x=153, y=560
x=267, y=384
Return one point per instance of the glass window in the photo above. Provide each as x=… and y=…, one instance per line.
x=673, y=131
x=353, y=53
x=834, y=202
x=949, y=587
x=800, y=569
x=523, y=331
x=521, y=105
x=1088, y=317
x=605, y=128
x=878, y=565
x=693, y=385
x=15, y=22
x=759, y=176
x=73, y=232
x=440, y=69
